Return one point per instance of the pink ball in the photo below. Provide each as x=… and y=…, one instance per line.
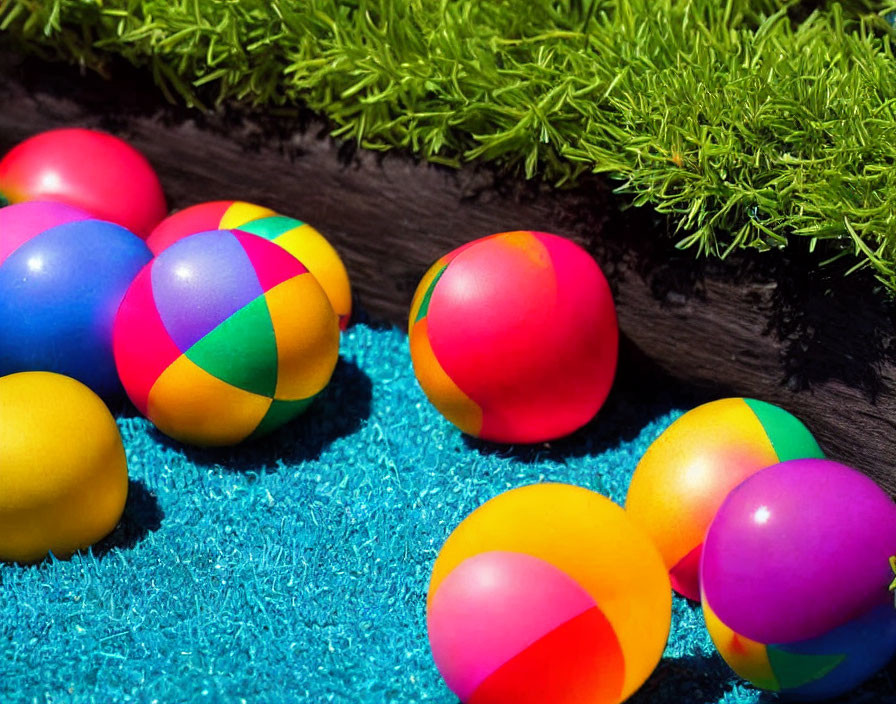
x=514, y=337
x=20, y=222
x=91, y=170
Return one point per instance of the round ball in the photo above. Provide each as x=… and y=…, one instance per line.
x=19, y=223
x=88, y=169
x=296, y=237
x=59, y=290
x=224, y=336
x=202, y=217
x=514, y=337
x=689, y=469
x=795, y=578
x=547, y=593
x=62, y=467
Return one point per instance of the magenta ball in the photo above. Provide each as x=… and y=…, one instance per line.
x=23, y=221
x=795, y=578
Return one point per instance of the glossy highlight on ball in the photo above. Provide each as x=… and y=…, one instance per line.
x=514, y=337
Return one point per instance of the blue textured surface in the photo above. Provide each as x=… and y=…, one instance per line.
x=295, y=569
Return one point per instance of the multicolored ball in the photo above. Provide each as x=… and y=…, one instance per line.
x=514, y=337
x=62, y=276
x=547, y=593
x=224, y=336
x=202, y=217
x=795, y=579
x=63, y=471
x=88, y=169
x=689, y=469
x=296, y=237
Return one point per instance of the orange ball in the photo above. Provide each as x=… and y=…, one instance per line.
x=685, y=475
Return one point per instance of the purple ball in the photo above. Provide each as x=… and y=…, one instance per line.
x=798, y=549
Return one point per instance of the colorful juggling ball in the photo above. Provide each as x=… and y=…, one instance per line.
x=689, y=469
x=63, y=471
x=223, y=336
x=547, y=593
x=296, y=237
x=92, y=170
x=795, y=578
x=514, y=337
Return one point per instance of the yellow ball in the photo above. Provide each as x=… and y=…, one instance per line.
x=62, y=467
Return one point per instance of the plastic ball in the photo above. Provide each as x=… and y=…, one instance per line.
x=795, y=579
x=224, y=336
x=296, y=237
x=689, y=469
x=92, y=170
x=547, y=593
x=514, y=337
x=62, y=467
x=202, y=217
x=59, y=290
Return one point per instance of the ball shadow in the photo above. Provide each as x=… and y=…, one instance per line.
x=339, y=411
x=142, y=515
x=879, y=689
x=641, y=392
x=363, y=318
x=692, y=678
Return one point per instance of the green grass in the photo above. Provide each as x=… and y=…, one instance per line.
x=751, y=123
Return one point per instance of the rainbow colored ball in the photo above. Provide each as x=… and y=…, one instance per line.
x=224, y=336
x=62, y=277
x=795, y=579
x=514, y=337
x=296, y=237
x=691, y=467
x=547, y=593
x=88, y=169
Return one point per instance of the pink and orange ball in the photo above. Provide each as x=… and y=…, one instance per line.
x=547, y=593
x=514, y=337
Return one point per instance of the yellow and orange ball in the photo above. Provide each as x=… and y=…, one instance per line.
x=685, y=475
x=298, y=238
x=548, y=593
x=63, y=470
x=514, y=337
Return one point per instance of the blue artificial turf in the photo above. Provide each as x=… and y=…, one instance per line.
x=295, y=569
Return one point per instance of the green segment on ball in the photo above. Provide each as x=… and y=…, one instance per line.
x=790, y=439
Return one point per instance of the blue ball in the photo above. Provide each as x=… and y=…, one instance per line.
x=59, y=292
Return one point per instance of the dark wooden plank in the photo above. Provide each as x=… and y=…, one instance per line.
x=766, y=326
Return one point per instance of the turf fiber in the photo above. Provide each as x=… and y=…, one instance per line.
x=295, y=569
